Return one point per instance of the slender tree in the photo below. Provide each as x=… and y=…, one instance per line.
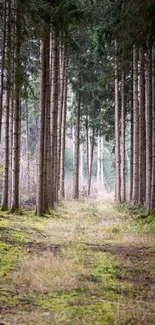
x=16, y=113
x=148, y=123
x=5, y=195
x=135, y=127
x=123, y=178
x=40, y=196
x=117, y=138
x=76, y=155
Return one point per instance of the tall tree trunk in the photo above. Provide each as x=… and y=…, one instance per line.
x=98, y=162
x=135, y=127
x=60, y=115
x=2, y=63
x=91, y=161
x=5, y=195
x=87, y=150
x=16, y=115
x=81, y=166
x=76, y=155
x=40, y=195
x=63, y=141
x=27, y=145
x=123, y=178
x=152, y=204
x=54, y=120
x=102, y=160
x=47, y=125
x=148, y=125
x=117, y=138
x=131, y=152
x=142, y=136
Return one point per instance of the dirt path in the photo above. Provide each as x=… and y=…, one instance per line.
x=85, y=264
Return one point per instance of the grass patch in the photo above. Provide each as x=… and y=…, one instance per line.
x=85, y=263
x=8, y=257
x=131, y=208
x=144, y=223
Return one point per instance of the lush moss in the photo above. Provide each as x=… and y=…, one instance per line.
x=143, y=223
x=8, y=257
x=73, y=307
x=131, y=208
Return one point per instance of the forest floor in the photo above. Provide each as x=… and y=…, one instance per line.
x=88, y=263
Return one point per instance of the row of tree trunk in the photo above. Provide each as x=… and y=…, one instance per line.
x=142, y=150
x=53, y=98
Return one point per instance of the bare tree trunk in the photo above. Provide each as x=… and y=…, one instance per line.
x=60, y=115
x=5, y=195
x=131, y=152
x=63, y=141
x=40, y=195
x=27, y=145
x=102, y=160
x=2, y=65
x=135, y=127
x=117, y=138
x=123, y=178
x=76, y=156
x=16, y=117
x=54, y=119
x=81, y=166
x=47, y=126
x=142, y=136
x=87, y=149
x=11, y=144
x=148, y=125
x=152, y=204
x=91, y=161
x=98, y=162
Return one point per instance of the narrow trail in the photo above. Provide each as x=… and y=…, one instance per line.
x=87, y=263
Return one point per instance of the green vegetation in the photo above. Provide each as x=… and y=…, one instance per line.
x=82, y=265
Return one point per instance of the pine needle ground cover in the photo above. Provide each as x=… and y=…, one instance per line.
x=86, y=263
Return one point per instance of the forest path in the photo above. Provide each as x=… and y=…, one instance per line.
x=88, y=263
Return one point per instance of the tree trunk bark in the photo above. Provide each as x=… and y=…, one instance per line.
x=54, y=120
x=40, y=195
x=98, y=162
x=63, y=141
x=5, y=194
x=87, y=150
x=60, y=116
x=27, y=145
x=152, y=204
x=135, y=128
x=123, y=178
x=117, y=138
x=102, y=165
x=2, y=65
x=142, y=136
x=91, y=161
x=16, y=115
x=76, y=155
x=47, y=125
x=81, y=166
x=148, y=125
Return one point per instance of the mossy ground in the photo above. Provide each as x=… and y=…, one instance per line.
x=86, y=263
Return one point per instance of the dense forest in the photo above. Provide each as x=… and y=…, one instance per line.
x=77, y=162
x=77, y=101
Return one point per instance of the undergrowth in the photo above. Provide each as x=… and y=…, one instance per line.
x=85, y=263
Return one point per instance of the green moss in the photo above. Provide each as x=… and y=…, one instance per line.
x=75, y=307
x=8, y=257
x=144, y=223
x=131, y=208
